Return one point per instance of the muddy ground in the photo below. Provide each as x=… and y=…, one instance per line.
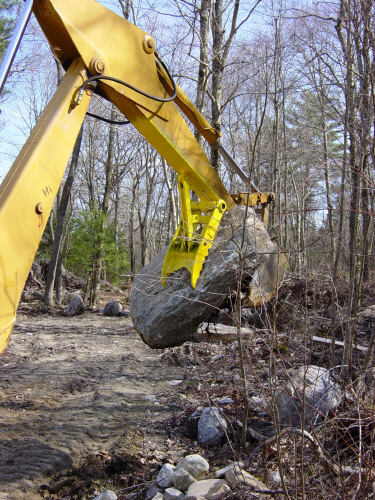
x=73, y=386
x=85, y=405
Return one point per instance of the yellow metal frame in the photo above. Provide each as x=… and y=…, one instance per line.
x=29, y=189
x=195, y=234
x=111, y=46
x=90, y=40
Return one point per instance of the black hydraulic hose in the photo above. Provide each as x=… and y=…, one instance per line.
x=130, y=86
x=107, y=120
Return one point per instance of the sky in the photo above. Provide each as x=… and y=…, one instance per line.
x=16, y=117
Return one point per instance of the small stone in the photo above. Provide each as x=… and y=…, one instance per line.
x=275, y=477
x=218, y=491
x=172, y=494
x=158, y=496
x=112, y=308
x=151, y=398
x=256, y=402
x=221, y=472
x=174, y=382
x=195, y=465
x=182, y=479
x=211, y=427
x=165, y=477
x=237, y=476
x=226, y=400
x=106, y=495
x=75, y=307
x=201, y=488
x=151, y=492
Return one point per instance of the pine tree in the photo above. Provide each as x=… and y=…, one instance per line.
x=9, y=10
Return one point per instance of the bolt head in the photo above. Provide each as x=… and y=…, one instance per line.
x=39, y=208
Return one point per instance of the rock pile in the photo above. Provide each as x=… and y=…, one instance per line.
x=189, y=479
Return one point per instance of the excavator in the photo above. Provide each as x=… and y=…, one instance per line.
x=103, y=53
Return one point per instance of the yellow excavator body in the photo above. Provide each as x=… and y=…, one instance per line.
x=103, y=52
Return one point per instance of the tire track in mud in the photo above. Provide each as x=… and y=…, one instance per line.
x=70, y=386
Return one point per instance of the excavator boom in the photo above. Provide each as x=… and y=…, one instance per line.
x=103, y=53
x=92, y=41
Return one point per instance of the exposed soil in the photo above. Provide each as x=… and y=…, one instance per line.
x=86, y=406
x=71, y=387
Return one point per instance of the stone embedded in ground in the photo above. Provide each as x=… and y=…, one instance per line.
x=169, y=316
x=202, y=488
x=75, y=307
x=165, y=477
x=112, y=308
x=211, y=427
x=196, y=465
x=309, y=394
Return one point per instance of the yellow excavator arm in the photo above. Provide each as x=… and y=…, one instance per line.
x=103, y=53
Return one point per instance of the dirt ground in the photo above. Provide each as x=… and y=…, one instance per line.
x=72, y=387
x=86, y=406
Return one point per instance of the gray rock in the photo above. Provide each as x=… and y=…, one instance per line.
x=165, y=477
x=151, y=492
x=106, y=495
x=172, y=494
x=158, y=496
x=317, y=387
x=225, y=400
x=196, y=465
x=112, y=308
x=218, y=491
x=125, y=313
x=221, y=472
x=237, y=476
x=75, y=307
x=202, y=488
x=169, y=316
x=275, y=477
x=211, y=427
x=182, y=479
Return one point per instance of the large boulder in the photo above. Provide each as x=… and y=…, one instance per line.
x=75, y=306
x=112, y=308
x=169, y=316
x=310, y=394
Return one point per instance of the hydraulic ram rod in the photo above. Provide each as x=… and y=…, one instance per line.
x=14, y=42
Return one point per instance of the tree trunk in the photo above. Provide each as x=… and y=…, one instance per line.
x=98, y=266
x=61, y=212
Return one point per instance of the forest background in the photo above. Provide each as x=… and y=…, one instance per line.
x=291, y=87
